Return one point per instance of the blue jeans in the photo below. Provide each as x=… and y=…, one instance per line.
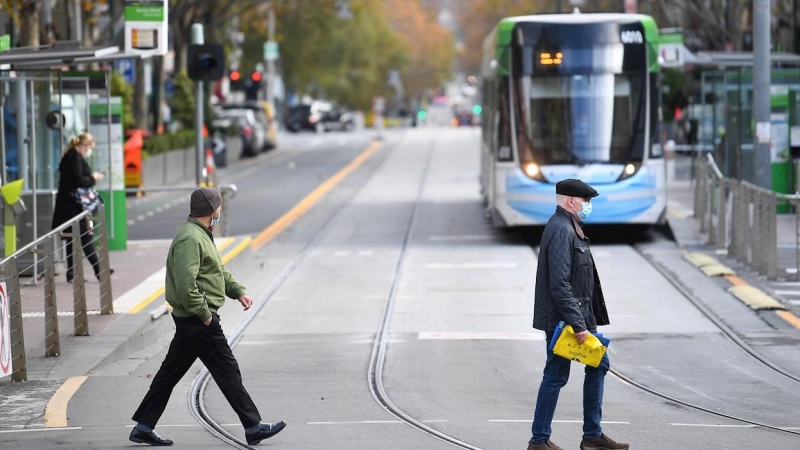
x=556, y=374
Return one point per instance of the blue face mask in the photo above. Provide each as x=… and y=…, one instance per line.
x=215, y=221
x=586, y=211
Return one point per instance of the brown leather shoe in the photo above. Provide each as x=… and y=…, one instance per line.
x=602, y=443
x=548, y=445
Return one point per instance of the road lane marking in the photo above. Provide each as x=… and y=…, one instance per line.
x=736, y=281
x=450, y=335
x=447, y=266
x=794, y=302
x=34, y=430
x=55, y=414
x=789, y=317
x=674, y=212
x=370, y=422
x=711, y=425
x=788, y=292
x=604, y=422
x=476, y=237
x=237, y=250
x=311, y=199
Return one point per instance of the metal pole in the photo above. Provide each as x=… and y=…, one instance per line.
x=21, y=101
x=762, y=160
x=18, y=362
x=271, y=61
x=198, y=38
x=3, y=172
x=34, y=182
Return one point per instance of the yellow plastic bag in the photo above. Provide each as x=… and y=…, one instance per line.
x=590, y=352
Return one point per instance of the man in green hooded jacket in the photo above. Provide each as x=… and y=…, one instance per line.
x=196, y=287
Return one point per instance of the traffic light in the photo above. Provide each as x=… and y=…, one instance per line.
x=256, y=77
x=252, y=86
x=236, y=82
x=206, y=62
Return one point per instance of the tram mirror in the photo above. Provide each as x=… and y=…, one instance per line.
x=55, y=120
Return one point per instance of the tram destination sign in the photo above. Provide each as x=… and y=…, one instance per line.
x=146, y=26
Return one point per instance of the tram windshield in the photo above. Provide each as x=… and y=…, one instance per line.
x=579, y=118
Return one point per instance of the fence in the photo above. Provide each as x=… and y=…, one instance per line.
x=47, y=253
x=741, y=218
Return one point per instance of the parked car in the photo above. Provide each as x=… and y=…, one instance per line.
x=264, y=123
x=252, y=133
x=319, y=116
x=265, y=115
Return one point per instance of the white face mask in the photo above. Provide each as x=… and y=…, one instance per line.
x=88, y=153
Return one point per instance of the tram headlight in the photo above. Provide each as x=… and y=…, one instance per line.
x=533, y=171
x=630, y=170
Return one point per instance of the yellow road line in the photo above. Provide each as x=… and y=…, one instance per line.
x=675, y=212
x=736, y=281
x=236, y=250
x=311, y=199
x=225, y=244
x=225, y=260
x=789, y=317
x=55, y=415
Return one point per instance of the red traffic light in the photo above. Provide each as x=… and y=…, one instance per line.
x=256, y=77
x=236, y=75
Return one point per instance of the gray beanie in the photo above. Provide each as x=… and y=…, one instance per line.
x=204, y=202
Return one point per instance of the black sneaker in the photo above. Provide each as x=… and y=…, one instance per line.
x=267, y=431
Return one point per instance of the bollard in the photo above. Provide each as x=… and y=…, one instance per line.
x=106, y=295
x=52, y=338
x=18, y=361
x=772, y=236
x=78, y=283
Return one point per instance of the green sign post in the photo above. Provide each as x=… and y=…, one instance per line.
x=109, y=157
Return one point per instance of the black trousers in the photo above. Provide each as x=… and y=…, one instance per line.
x=195, y=340
x=87, y=241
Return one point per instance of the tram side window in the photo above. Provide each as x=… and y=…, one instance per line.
x=504, y=124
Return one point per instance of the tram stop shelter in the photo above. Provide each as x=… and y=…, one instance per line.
x=44, y=104
x=725, y=115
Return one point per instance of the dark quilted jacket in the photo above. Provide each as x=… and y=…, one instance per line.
x=567, y=284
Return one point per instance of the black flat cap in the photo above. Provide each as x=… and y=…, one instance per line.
x=575, y=188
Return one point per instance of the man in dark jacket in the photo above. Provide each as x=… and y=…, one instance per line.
x=196, y=286
x=568, y=289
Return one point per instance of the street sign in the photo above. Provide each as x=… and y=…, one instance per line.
x=271, y=50
x=146, y=27
x=5, y=333
x=125, y=67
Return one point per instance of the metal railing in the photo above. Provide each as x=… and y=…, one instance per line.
x=227, y=191
x=45, y=251
x=741, y=218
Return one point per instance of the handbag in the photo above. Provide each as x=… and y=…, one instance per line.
x=88, y=198
x=565, y=345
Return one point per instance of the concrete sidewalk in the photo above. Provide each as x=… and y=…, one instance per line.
x=687, y=229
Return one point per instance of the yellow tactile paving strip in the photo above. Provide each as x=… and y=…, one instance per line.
x=751, y=296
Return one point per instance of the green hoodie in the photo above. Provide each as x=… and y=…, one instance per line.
x=197, y=282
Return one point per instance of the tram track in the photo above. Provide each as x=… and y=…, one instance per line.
x=727, y=332
x=374, y=377
x=724, y=328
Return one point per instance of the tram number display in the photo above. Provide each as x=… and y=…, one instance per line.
x=551, y=58
x=631, y=37
x=5, y=333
